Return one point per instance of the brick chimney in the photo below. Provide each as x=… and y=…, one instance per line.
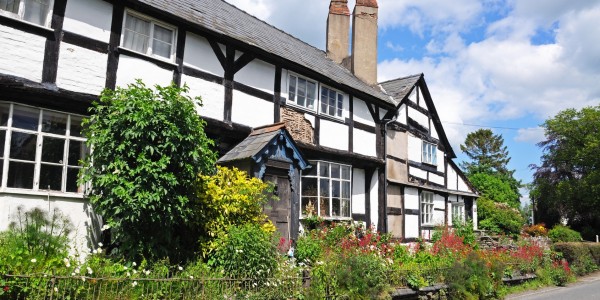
x=338, y=30
x=364, y=41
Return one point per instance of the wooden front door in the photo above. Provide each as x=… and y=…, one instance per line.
x=279, y=211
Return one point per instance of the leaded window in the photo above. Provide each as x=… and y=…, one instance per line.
x=326, y=190
x=148, y=36
x=429, y=153
x=302, y=91
x=426, y=208
x=34, y=11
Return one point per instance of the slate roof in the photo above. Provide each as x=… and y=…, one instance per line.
x=253, y=144
x=225, y=19
x=400, y=87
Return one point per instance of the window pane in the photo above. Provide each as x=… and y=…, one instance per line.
x=163, y=38
x=20, y=175
x=301, y=91
x=311, y=88
x=324, y=169
x=310, y=171
x=2, y=140
x=72, y=176
x=25, y=117
x=324, y=188
x=4, y=111
x=346, y=190
x=22, y=146
x=292, y=88
x=335, y=188
x=50, y=177
x=324, y=100
x=137, y=33
x=336, y=207
x=54, y=123
x=75, y=126
x=309, y=204
x=346, y=172
x=53, y=150
x=345, y=208
x=324, y=207
x=77, y=152
x=36, y=11
x=309, y=187
x=335, y=171
x=331, y=103
x=10, y=6
x=340, y=104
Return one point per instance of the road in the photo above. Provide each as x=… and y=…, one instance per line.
x=587, y=287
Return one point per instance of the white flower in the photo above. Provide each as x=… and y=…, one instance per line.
x=100, y=244
x=134, y=272
x=134, y=264
x=124, y=267
x=73, y=274
x=95, y=251
x=82, y=278
x=128, y=274
x=134, y=283
x=67, y=262
x=105, y=227
x=56, y=290
x=180, y=268
x=90, y=271
x=191, y=277
x=33, y=260
x=76, y=270
x=147, y=272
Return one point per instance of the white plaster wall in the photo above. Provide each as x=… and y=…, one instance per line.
x=475, y=216
x=358, y=191
x=131, y=68
x=413, y=95
x=90, y=18
x=436, y=178
x=402, y=114
x=419, y=117
x=21, y=53
x=374, y=199
x=333, y=135
x=440, y=160
x=451, y=178
x=364, y=142
x=257, y=74
x=462, y=186
x=414, y=148
x=422, y=100
x=433, y=131
x=439, y=209
x=311, y=119
x=212, y=94
x=382, y=112
x=361, y=113
x=411, y=228
x=285, y=76
x=251, y=111
x=417, y=172
x=198, y=54
x=77, y=211
x=411, y=198
x=81, y=70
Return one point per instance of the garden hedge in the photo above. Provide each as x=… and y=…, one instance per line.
x=583, y=257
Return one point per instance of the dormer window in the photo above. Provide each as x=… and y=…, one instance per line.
x=303, y=92
x=148, y=36
x=34, y=11
x=429, y=153
x=332, y=102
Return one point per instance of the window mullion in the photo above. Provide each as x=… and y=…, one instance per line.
x=7, y=146
x=38, y=154
x=149, y=51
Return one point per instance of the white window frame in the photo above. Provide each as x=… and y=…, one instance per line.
x=21, y=13
x=152, y=22
x=39, y=134
x=429, y=153
x=337, y=93
x=294, y=100
x=330, y=180
x=458, y=211
x=426, y=206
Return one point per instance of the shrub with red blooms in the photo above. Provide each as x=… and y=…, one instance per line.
x=451, y=244
x=527, y=257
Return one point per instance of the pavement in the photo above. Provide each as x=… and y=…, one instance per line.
x=587, y=287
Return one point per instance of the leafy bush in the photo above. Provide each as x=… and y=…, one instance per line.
x=536, y=229
x=361, y=276
x=245, y=251
x=149, y=146
x=579, y=256
x=474, y=278
x=499, y=217
x=230, y=198
x=308, y=248
x=560, y=233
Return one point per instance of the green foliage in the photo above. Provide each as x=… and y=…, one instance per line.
x=464, y=229
x=361, y=276
x=35, y=241
x=474, y=278
x=246, y=251
x=487, y=152
x=308, y=248
x=499, y=217
x=567, y=182
x=580, y=256
x=495, y=188
x=560, y=233
x=148, y=147
x=230, y=198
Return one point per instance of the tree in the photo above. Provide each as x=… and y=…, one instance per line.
x=487, y=153
x=148, y=148
x=567, y=183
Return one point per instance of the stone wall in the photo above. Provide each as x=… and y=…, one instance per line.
x=299, y=127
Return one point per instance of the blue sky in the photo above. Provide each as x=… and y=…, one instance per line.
x=506, y=65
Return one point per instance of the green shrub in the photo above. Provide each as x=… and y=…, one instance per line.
x=308, y=248
x=475, y=278
x=560, y=233
x=361, y=276
x=246, y=251
x=499, y=218
x=579, y=257
x=594, y=251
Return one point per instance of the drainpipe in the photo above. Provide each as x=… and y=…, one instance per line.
x=385, y=172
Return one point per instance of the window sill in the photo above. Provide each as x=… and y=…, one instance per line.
x=29, y=27
x=300, y=108
x=54, y=194
x=332, y=118
x=162, y=62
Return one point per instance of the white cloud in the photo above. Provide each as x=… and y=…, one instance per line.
x=530, y=135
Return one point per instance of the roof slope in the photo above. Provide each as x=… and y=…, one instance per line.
x=399, y=88
x=226, y=19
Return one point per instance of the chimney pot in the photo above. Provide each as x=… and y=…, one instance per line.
x=338, y=30
x=364, y=41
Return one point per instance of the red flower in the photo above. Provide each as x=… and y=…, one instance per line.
x=6, y=288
